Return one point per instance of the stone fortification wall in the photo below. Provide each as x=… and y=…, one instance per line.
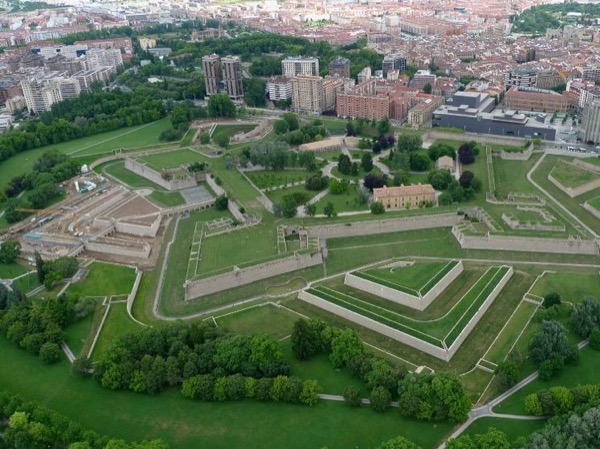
x=479, y=314
x=397, y=296
x=141, y=251
x=592, y=210
x=575, y=191
x=231, y=205
x=441, y=353
x=244, y=276
x=383, y=226
x=536, y=245
x=392, y=333
x=586, y=165
x=156, y=177
x=138, y=229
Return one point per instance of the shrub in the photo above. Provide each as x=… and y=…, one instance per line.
x=352, y=396
x=551, y=299
x=377, y=208
x=50, y=353
x=380, y=399
x=221, y=202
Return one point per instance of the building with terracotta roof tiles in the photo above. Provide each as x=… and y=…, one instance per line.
x=529, y=99
x=405, y=197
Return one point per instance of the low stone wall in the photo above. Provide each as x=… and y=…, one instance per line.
x=244, y=276
x=137, y=251
x=592, y=210
x=575, y=191
x=479, y=314
x=156, y=177
x=586, y=165
x=529, y=244
x=376, y=326
x=383, y=226
x=479, y=138
x=400, y=297
x=513, y=156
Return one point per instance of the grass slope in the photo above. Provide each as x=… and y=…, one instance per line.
x=572, y=287
x=105, y=279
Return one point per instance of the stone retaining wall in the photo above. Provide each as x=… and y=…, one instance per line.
x=595, y=212
x=586, y=165
x=137, y=251
x=244, y=276
x=383, y=226
x=513, y=156
x=231, y=205
x=479, y=138
x=400, y=297
x=575, y=191
x=156, y=177
x=530, y=244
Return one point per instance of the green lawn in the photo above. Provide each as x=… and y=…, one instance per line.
x=585, y=372
x=595, y=203
x=264, y=179
x=446, y=328
x=231, y=130
x=100, y=144
x=509, y=335
x=189, y=136
x=513, y=428
x=171, y=159
x=277, y=195
x=571, y=176
x=11, y=271
x=238, y=247
x=117, y=170
x=27, y=283
x=104, y=279
x=572, y=287
x=80, y=334
x=167, y=199
x=592, y=160
x=511, y=176
x=345, y=202
x=415, y=279
x=185, y=424
x=117, y=323
x=268, y=319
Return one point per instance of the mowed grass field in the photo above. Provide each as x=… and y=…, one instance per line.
x=105, y=279
x=268, y=319
x=244, y=246
x=171, y=159
x=117, y=323
x=571, y=176
x=231, y=130
x=100, y=144
x=11, y=271
x=167, y=199
x=117, y=170
x=265, y=179
x=513, y=428
x=186, y=424
x=571, y=286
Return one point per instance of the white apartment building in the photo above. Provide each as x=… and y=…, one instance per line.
x=299, y=65
x=279, y=88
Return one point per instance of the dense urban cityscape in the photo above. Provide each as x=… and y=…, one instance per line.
x=301, y=224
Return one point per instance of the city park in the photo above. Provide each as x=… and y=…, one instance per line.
x=484, y=265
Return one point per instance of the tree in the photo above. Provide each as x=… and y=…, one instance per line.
x=466, y=178
x=427, y=88
x=254, y=92
x=440, y=179
x=466, y=154
x=352, y=396
x=380, y=399
x=384, y=126
x=586, y=317
x=595, y=339
x=337, y=186
x=310, y=393
x=508, y=374
x=445, y=199
x=220, y=105
x=221, y=202
x=50, y=353
x=10, y=250
x=550, y=344
x=372, y=181
x=377, y=208
x=306, y=342
x=291, y=120
x=280, y=127
x=344, y=347
x=492, y=439
x=310, y=209
x=409, y=142
x=329, y=210
x=399, y=443
x=344, y=164
x=437, y=150
x=366, y=162
x=419, y=162
x=551, y=299
x=222, y=140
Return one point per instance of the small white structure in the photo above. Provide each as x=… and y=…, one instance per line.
x=446, y=163
x=85, y=168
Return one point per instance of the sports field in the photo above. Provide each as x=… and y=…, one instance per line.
x=571, y=176
x=170, y=159
x=416, y=279
x=440, y=332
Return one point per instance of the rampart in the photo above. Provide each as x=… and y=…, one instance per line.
x=586, y=165
x=383, y=226
x=444, y=353
x=400, y=297
x=118, y=247
x=537, y=245
x=239, y=277
x=575, y=191
x=157, y=178
x=231, y=205
x=479, y=138
x=591, y=209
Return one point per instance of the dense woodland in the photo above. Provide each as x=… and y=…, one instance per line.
x=538, y=19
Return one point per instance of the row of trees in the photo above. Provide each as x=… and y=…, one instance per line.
x=560, y=400
x=428, y=396
x=237, y=387
x=149, y=360
x=27, y=425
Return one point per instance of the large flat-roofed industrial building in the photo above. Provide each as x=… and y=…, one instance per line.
x=476, y=112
